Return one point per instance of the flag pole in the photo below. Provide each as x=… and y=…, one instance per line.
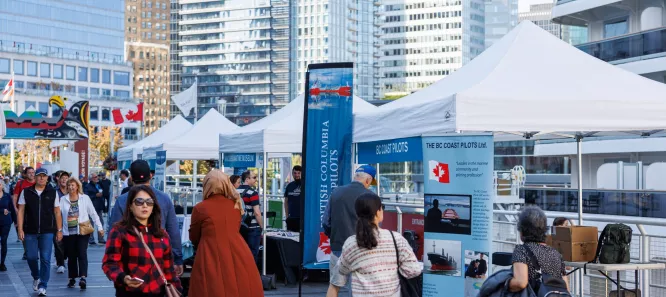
x=11, y=142
x=194, y=162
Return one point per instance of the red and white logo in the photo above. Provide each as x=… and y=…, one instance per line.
x=439, y=172
x=324, y=249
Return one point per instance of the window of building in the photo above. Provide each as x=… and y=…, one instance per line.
x=106, y=114
x=106, y=76
x=106, y=92
x=121, y=78
x=121, y=94
x=94, y=91
x=56, y=111
x=83, y=73
x=83, y=90
x=149, y=35
x=57, y=71
x=32, y=68
x=4, y=66
x=70, y=72
x=150, y=4
x=44, y=109
x=149, y=14
x=45, y=70
x=94, y=75
x=94, y=113
x=150, y=25
x=163, y=26
x=616, y=27
x=18, y=67
x=130, y=134
x=163, y=5
x=30, y=105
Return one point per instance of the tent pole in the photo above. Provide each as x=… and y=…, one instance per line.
x=265, y=167
x=579, y=151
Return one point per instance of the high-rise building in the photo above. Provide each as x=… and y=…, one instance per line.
x=424, y=41
x=174, y=53
x=239, y=52
x=65, y=48
x=540, y=14
x=147, y=42
x=630, y=35
x=341, y=31
x=500, y=17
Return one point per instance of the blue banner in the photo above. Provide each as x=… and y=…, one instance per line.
x=394, y=150
x=159, y=179
x=239, y=170
x=458, y=174
x=240, y=160
x=327, y=147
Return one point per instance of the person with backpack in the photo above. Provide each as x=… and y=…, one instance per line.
x=535, y=263
x=28, y=180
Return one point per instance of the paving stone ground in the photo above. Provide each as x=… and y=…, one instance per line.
x=17, y=282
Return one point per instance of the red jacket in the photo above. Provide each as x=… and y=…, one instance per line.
x=126, y=255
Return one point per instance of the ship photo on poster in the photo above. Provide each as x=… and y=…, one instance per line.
x=443, y=257
x=448, y=214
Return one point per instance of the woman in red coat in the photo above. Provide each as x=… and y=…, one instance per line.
x=224, y=266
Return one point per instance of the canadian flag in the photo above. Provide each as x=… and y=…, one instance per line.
x=8, y=91
x=324, y=249
x=439, y=172
x=127, y=114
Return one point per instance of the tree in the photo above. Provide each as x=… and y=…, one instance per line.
x=203, y=167
x=34, y=151
x=5, y=163
x=99, y=144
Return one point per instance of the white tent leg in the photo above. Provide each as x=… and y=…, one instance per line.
x=265, y=207
x=579, y=144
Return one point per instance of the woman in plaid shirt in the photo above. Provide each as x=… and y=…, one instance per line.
x=126, y=262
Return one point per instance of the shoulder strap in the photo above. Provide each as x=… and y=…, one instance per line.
x=533, y=258
x=150, y=252
x=397, y=253
x=602, y=237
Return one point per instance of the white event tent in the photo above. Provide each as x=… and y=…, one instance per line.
x=199, y=143
x=528, y=82
x=280, y=132
x=173, y=129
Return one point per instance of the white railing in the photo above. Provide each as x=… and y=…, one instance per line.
x=644, y=248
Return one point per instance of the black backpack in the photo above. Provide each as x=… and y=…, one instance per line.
x=546, y=285
x=614, y=244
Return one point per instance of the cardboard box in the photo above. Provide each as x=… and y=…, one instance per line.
x=549, y=240
x=576, y=243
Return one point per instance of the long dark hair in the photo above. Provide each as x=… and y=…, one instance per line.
x=367, y=206
x=155, y=219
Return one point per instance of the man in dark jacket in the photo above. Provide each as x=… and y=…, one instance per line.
x=39, y=219
x=106, y=191
x=95, y=191
x=343, y=199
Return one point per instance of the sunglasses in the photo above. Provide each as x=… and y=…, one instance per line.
x=142, y=201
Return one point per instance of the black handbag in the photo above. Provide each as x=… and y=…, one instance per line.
x=412, y=287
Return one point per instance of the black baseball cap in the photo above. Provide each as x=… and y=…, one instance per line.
x=140, y=171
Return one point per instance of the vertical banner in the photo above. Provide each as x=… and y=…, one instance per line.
x=159, y=179
x=81, y=147
x=327, y=146
x=458, y=174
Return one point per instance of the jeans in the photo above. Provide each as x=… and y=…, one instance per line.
x=253, y=241
x=40, y=247
x=346, y=290
x=4, y=233
x=76, y=247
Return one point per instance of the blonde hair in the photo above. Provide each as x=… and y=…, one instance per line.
x=77, y=182
x=217, y=182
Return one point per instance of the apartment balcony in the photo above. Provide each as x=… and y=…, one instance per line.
x=219, y=19
x=226, y=72
x=219, y=40
x=582, y=12
x=352, y=27
x=221, y=62
x=352, y=17
x=214, y=8
x=220, y=30
x=642, y=52
x=377, y=3
x=185, y=53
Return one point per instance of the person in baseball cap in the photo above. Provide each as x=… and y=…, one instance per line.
x=140, y=172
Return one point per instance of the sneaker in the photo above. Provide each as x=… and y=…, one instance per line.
x=3, y=267
x=61, y=269
x=35, y=284
x=92, y=243
x=82, y=283
x=72, y=283
x=102, y=241
x=41, y=292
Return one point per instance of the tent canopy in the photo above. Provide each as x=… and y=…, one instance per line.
x=201, y=142
x=529, y=81
x=174, y=128
x=280, y=132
